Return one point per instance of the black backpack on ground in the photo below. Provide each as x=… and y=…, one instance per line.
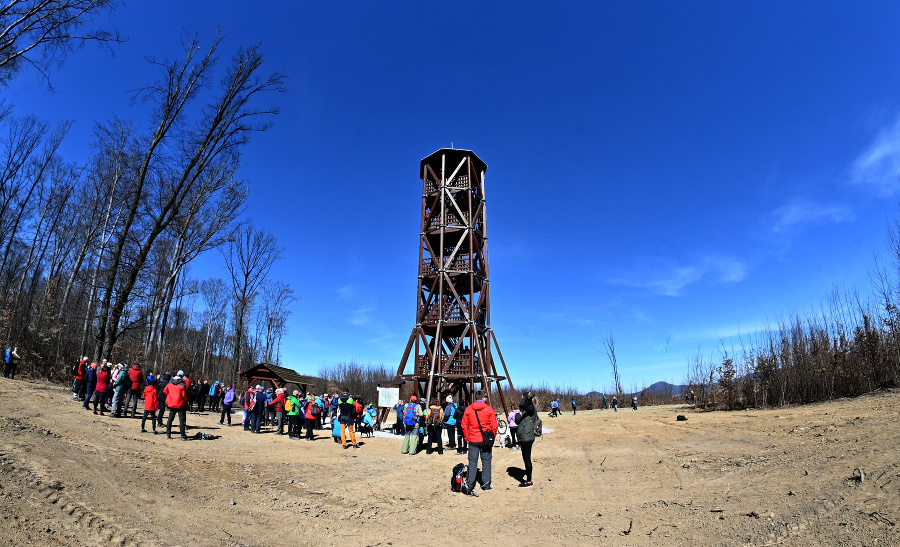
x=458, y=480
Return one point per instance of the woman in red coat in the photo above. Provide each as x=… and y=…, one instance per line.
x=151, y=405
x=102, y=389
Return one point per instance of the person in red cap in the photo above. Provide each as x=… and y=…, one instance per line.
x=411, y=414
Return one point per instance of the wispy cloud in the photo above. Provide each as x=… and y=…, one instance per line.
x=878, y=167
x=805, y=213
x=670, y=279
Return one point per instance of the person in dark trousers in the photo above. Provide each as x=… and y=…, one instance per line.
x=634, y=402
x=78, y=384
x=151, y=404
x=161, y=396
x=478, y=418
x=462, y=447
x=177, y=402
x=574, y=405
x=450, y=422
x=90, y=383
x=227, y=401
x=258, y=412
x=103, y=384
x=527, y=413
x=12, y=362
x=136, y=375
x=277, y=403
x=434, y=421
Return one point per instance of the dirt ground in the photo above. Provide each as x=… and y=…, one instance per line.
x=825, y=474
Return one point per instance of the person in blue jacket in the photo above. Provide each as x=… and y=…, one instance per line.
x=450, y=422
x=574, y=405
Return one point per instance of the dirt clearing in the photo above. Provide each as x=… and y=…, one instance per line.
x=825, y=474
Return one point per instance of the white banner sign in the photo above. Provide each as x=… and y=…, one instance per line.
x=388, y=396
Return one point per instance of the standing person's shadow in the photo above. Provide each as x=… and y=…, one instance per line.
x=516, y=473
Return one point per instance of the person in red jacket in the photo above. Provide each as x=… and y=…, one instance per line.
x=151, y=404
x=278, y=404
x=176, y=401
x=103, y=386
x=80, y=374
x=479, y=417
x=134, y=393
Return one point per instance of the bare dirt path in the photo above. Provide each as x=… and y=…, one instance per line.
x=825, y=474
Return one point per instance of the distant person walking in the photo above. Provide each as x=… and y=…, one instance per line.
x=526, y=435
x=615, y=404
x=554, y=408
x=574, y=405
x=478, y=419
x=634, y=402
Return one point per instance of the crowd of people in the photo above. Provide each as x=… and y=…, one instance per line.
x=114, y=389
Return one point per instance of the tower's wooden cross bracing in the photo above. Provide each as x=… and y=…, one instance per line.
x=452, y=344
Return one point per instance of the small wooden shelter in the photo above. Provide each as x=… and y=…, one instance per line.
x=269, y=375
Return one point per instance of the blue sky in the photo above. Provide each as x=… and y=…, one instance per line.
x=672, y=173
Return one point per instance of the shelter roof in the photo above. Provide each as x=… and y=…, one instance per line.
x=286, y=375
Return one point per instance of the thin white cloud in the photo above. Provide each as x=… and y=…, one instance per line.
x=878, y=167
x=360, y=317
x=671, y=279
x=800, y=214
x=347, y=292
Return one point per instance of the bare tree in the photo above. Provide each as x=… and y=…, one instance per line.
x=272, y=320
x=41, y=33
x=176, y=161
x=248, y=257
x=609, y=350
x=215, y=297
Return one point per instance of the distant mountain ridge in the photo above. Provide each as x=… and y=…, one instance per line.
x=659, y=388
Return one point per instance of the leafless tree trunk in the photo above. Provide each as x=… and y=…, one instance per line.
x=609, y=350
x=163, y=185
x=248, y=258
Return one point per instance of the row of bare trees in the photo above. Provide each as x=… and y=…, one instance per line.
x=850, y=347
x=95, y=254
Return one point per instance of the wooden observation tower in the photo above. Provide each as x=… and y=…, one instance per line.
x=452, y=341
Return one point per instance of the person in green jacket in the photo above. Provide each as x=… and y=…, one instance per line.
x=293, y=413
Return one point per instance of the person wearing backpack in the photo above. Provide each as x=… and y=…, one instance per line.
x=434, y=422
x=347, y=410
x=574, y=405
x=227, y=401
x=411, y=414
x=479, y=418
x=527, y=420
